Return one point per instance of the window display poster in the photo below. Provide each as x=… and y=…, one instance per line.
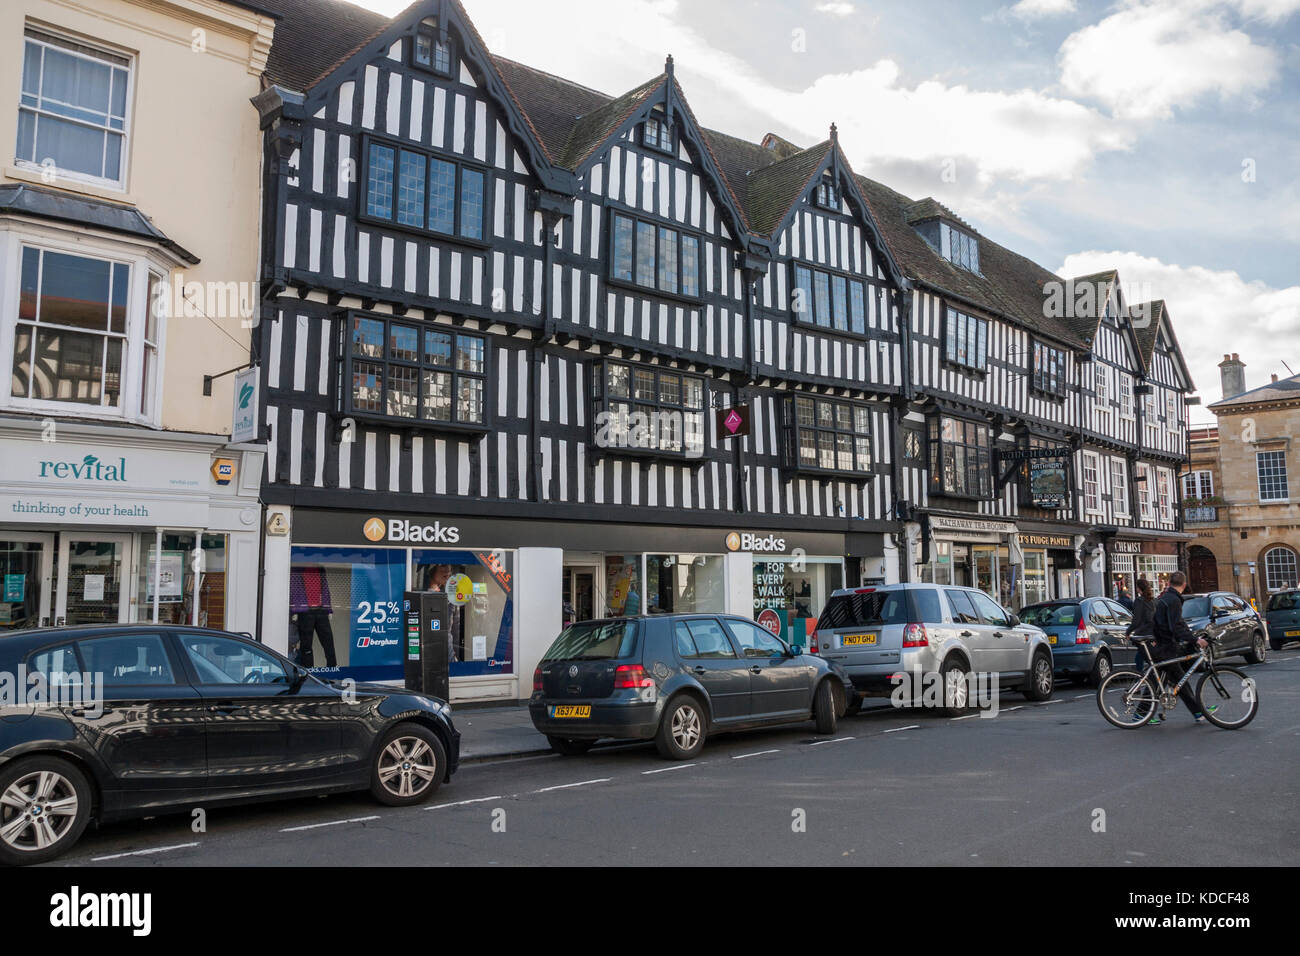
x=93, y=587
x=15, y=587
x=170, y=577
x=376, y=626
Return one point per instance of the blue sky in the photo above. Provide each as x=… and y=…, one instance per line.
x=1159, y=137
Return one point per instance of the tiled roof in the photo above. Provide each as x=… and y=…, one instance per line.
x=314, y=36
x=1283, y=390
x=551, y=103
x=772, y=190
x=591, y=130
x=1008, y=284
x=1148, y=330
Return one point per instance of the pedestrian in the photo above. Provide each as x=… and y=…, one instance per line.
x=1144, y=612
x=1124, y=598
x=1172, y=635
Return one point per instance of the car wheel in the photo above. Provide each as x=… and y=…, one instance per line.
x=956, y=688
x=409, y=765
x=569, y=746
x=824, y=708
x=44, y=809
x=1100, y=671
x=854, y=706
x=1040, y=683
x=1257, y=651
x=1275, y=643
x=681, y=731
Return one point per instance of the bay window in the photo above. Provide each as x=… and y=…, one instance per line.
x=826, y=435
x=417, y=190
x=960, y=458
x=414, y=373
x=647, y=410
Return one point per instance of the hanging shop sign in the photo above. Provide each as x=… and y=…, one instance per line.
x=1049, y=481
x=734, y=421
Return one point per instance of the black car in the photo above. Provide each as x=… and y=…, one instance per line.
x=1283, y=618
x=137, y=719
x=1229, y=623
x=676, y=679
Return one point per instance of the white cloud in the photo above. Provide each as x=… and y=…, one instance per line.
x=1037, y=9
x=835, y=8
x=1213, y=312
x=1152, y=56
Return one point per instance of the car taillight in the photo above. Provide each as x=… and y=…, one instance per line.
x=537, y=679
x=631, y=675
x=1081, y=633
x=914, y=636
x=812, y=643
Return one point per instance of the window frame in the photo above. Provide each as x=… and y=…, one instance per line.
x=459, y=163
x=1119, y=487
x=1195, y=482
x=808, y=318
x=1039, y=380
x=663, y=121
x=432, y=31
x=936, y=445
x=950, y=346
x=793, y=433
x=970, y=260
x=659, y=226
x=1281, y=474
x=601, y=401
x=345, y=400
x=1094, y=506
x=1268, y=569
x=826, y=194
x=65, y=44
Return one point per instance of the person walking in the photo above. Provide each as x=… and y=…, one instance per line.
x=1171, y=635
x=1144, y=612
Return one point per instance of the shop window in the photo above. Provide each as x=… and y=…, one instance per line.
x=647, y=254
x=480, y=586
x=414, y=373
x=345, y=606
x=647, y=410
x=171, y=574
x=623, y=585
x=419, y=190
x=826, y=435
x=938, y=570
x=829, y=300
x=684, y=583
x=960, y=458
x=789, y=593
x=20, y=576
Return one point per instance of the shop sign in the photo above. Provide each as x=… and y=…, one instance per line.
x=1049, y=482
x=1046, y=540
x=376, y=623
x=15, y=587
x=243, y=425
x=942, y=523
x=770, y=620
x=749, y=541
x=1126, y=547
x=733, y=422
x=223, y=471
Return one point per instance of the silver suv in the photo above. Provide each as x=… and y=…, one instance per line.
x=921, y=630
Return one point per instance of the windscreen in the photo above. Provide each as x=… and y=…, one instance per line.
x=864, y=610
x=1196, y=607
x=1286, y=601
x=594, y=641
x=1051, y=615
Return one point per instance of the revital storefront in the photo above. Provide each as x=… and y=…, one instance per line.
x=104, y=524
x=335, y=582
x=1132, y=554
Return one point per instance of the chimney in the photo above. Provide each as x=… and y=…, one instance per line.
x=1232, y=372
x=1275, y=376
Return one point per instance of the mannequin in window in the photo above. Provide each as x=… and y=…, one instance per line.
x=309, y=599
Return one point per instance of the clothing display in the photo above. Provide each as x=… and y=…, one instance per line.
x=309, y=599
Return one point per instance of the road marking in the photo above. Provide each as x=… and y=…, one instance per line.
x=332, y=823
x=1007, y=710
x=680, y=766
x=757, y=753
x=894, y=730
x=1044, y=703
x=966, y=717
x=460, y=803
x=157, y=849
x=566, y=786
x=1083, y=696
x=818, y=743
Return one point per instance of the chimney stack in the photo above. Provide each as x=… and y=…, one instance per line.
x=1275, y=376
x=1232, y=372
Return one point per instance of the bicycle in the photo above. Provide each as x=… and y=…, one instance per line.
x=1227, y=696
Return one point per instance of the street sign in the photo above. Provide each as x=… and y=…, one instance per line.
x=733, y=422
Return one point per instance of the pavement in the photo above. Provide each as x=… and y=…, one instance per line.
x=491, y=733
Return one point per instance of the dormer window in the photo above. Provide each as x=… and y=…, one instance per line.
x=827, y=195
x=431, y=53
x=959, y=248
x=658, y=133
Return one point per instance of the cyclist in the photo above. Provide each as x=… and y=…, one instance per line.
x=1171, y=634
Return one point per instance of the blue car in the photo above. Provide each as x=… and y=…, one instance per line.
x=1087, y=636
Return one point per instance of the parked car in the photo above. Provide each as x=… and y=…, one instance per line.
x=1282, y=615
x=676, y=679
x=1229, y=623
x=926, y=629
x=1087, y=636
x=142, y=718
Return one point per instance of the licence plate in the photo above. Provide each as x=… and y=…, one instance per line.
x=1293, y=633
x=849, y=640
x=570, y=710
x=1051, y=638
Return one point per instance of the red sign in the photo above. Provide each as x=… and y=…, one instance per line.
x=771, y=620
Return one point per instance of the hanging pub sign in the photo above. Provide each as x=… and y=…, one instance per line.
x=1049, y=481
x=732, y=422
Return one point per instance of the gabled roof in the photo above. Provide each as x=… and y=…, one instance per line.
x=1283, y=390
x=1147, y=334
x=1008, y=285
x=772, y=191
x=592, y=130
x=311, y=36
x=551, y=103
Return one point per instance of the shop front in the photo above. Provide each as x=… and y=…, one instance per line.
x=102, y=524
x=973, y=552
x=1131, y=558
x=1051, y=565
x=336, y=582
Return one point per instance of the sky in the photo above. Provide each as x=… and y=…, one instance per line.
x=1157, y=137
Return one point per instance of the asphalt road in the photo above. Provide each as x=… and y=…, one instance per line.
x=890, y=787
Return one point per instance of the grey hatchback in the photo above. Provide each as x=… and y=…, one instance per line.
x=676, y=679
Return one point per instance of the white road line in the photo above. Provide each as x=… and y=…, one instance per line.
x=680, y=766
x=332, y=823
x=894, y=730
x=566, y=786
x=757, y=753
x=818, y=743
x=1044, y=703
x=966, y=717
x=157, y=849
x=1007, y=710
x=1084, y=696
x=460, y=803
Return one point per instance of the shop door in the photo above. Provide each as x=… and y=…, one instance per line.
x=579, y=594
x=984, y=567
x=26, y=572
x=93, y=574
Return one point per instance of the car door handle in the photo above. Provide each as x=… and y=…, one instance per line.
x=755, y=669
x=91, y=712
x=967, y=634
x=225, y=708
x=701, y=670
x=997, y=633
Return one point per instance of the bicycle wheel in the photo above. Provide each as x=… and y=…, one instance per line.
x=1229, y=698
x=1127, y=699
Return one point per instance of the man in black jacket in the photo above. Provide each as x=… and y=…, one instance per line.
x=1171, y=634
